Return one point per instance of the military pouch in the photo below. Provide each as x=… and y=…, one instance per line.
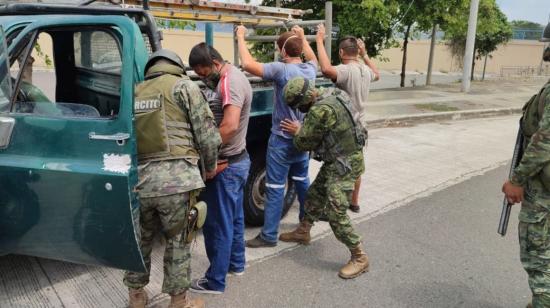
x=195, y=220
x=342, y=166
x=150, y=124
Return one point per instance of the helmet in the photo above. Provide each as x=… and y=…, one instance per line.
x=546, y=34
x=164, y=54
x=298, y=93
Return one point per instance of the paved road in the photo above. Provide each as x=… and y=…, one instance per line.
x=437, y=251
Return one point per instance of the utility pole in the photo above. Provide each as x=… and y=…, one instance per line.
x=209, y=34
x=431, y=58
x=470, y=42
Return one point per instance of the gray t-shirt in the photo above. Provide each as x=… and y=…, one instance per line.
x=354, y=78
x=234, y=89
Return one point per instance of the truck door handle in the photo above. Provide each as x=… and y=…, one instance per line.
x=120, y=138
x=6, y=128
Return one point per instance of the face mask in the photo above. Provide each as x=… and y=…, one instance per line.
x=212, y=80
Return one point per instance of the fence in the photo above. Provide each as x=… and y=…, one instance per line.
x=525, y=71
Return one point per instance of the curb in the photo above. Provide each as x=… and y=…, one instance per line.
x=407, y=120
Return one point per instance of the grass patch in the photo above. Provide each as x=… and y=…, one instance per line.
x=435, y=107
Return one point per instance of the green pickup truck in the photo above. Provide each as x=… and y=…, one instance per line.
x=68, y=164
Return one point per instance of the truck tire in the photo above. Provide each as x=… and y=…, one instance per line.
x=254, y=193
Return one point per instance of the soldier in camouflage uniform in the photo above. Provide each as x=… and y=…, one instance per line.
x=530, y=184
x=333, y=132
x=175, y=128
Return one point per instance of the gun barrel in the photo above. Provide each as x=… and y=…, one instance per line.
x=504, y=217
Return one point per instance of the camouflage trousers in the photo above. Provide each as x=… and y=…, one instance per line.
x=534, y=241
x=329, y=197
x=162, y=214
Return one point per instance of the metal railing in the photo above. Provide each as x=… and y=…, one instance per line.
x=524, y=71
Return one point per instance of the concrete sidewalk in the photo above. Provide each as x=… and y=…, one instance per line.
x=402, y=106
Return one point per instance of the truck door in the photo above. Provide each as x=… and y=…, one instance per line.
x=67, y=146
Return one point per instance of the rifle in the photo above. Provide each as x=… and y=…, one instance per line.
x=507, y=206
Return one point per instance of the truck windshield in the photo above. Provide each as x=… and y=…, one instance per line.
x=5, y=80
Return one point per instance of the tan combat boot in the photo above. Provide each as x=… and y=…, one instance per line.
x=138, y=298
x=300, y=235
x=357, y=265
x=182, y=301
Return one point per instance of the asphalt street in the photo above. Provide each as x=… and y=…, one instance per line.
x=438, y=251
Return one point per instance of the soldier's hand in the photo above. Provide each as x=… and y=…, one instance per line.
x=298, y=31
x=513, y=193
x=320, y=32
x=291, y=127
x=240, y=31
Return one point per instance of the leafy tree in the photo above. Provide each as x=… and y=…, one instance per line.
x=493, y=29
x=422, y=15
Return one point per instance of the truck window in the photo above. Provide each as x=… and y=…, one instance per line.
x=72, y=72
x=98, y=51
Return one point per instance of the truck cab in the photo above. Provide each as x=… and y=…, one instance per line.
x=68, y=158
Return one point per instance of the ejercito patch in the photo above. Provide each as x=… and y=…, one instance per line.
x=147, y=104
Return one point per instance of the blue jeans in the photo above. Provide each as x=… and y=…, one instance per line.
x=283, y=159
x=224, y=226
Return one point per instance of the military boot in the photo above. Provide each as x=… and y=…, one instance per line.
x=138, y=298
x=357, y=265
x=182, y=301
x=300, y=235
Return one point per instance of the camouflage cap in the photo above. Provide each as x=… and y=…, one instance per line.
x=298, y=91
x=546, y=34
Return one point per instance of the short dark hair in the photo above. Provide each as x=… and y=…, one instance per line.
x=349, y=45
x=203, y=55
x=293, y=46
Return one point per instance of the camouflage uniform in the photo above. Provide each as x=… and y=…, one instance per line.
x=534, y=218
x=166, y=185
x=329, y=195
x=533, y=174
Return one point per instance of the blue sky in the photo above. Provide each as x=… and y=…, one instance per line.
x=531, y=10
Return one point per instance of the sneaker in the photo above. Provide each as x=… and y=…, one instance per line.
x=259, y=242
x=201, y=286
x=234, y=273
x=354, y=208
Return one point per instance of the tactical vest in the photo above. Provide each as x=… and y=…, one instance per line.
x=532, y=114
x=347, y=137
x=163, y=128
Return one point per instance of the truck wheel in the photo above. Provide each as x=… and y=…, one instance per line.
x=254, y=193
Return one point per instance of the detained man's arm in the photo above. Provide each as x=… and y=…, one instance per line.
x=367, y=60
x=328, y=70
x=306, y=48
x=230, y=122
x=248, y=62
